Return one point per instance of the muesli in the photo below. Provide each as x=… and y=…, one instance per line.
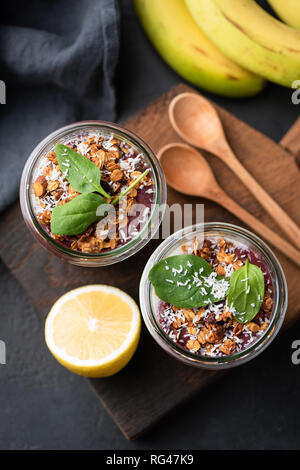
x=215, y=299
x=109, y=169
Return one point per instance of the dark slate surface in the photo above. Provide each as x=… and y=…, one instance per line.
x=43, y=406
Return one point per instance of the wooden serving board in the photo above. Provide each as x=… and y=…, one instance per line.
x=140, y=395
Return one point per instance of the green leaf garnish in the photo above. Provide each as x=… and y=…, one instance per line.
x=246, y=292
x=76, y=216
x=187, y=281
x=83, y=175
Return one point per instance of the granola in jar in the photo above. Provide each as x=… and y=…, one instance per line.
x=120, y=165
x=215, y=329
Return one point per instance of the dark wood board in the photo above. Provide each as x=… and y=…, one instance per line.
x=153, y=383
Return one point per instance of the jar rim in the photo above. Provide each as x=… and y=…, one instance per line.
x=155, y=328
x=157, y=210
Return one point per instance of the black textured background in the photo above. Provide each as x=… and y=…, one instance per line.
x=43, y=406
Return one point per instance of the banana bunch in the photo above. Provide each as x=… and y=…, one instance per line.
x=288, y=11
x=225, y=46
x=184, y=46
x=251, y=37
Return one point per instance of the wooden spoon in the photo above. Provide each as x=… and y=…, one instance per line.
x=196, y=178
x=196, y=121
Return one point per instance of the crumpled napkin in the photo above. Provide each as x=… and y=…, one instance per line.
x=57, y=59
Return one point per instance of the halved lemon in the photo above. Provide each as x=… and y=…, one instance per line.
x=93, y=330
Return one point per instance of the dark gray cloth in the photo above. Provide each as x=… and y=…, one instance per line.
x=58, y=59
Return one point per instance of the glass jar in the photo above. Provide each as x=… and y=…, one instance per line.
x=120, y=253
x=171, y=246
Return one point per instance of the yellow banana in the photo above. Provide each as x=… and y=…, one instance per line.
x=190, y=53
x=288, y=11
x=250, y=36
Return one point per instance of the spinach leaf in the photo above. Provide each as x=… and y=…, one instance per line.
x=246, y=292
x=76, y=216
x=79, y=171
x=187, y=281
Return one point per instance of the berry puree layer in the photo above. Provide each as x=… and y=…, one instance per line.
x=84, y=173
x=214, y=298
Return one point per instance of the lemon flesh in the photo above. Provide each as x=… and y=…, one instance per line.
x=93, y=330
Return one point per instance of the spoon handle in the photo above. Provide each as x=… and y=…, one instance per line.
x=276, y=212
x=288, y=250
